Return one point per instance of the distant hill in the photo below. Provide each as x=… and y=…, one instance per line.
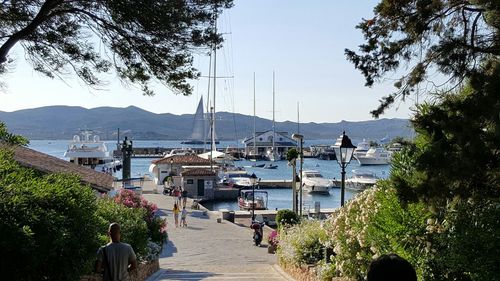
x=62, y=122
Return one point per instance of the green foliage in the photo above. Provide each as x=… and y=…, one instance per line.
x=301, y=244
x=153, y=42
x=47, y=224
x=286, y=218
x=9, y=138
x=134, y=228
x=454, y=37
x=292, y=154
x=375, y=223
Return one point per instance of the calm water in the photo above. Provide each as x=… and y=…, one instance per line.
x=278, y=198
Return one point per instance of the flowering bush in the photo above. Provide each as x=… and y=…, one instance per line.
x=157, y=226
x=301, y=244
x=375, y=223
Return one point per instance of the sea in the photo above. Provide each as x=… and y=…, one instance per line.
x=278, y=198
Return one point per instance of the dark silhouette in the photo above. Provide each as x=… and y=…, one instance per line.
x=391, y=267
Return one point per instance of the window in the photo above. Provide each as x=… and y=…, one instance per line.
x=281, y=139
x=190, y=181
x=260, y=139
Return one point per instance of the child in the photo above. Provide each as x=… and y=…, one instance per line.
x=183, y=217
x=176, y=214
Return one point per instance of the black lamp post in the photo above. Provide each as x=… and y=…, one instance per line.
x=253, y=180
x=171, y=163
x=344, y=150
x=300, y=139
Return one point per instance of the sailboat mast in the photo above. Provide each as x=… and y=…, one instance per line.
x=274, y=127
x=298, y=119
x=205, y=115
x=254, y=137
x=215, y=84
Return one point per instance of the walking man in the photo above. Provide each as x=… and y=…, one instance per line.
x=117, y=259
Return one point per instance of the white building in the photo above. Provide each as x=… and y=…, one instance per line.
x=264, y=144
x=174, y=166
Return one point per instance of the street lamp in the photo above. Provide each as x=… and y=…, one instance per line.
x=344, y=150
x=300, y=138
x=171, y=163
x=253, y=180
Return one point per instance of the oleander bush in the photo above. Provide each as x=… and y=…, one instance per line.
x=302, y=244
x=48, y=227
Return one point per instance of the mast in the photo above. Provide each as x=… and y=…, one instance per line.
x=215, y=84
x=298, y=119
x=254, y=137
x=205, y=115
x=274, y=127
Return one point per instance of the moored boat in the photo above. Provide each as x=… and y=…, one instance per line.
x=314, y=182
x=361, y=180
x=375, y=156
x=246, y=200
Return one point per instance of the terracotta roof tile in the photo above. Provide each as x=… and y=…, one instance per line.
x=183, y=160
x=49, y=164
x=198, y=172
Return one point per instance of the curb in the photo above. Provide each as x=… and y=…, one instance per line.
x=282, y=272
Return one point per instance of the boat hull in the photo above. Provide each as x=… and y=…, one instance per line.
x=363, y=160
x=311, y=188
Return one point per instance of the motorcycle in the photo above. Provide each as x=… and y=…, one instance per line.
x=258, y=232
x=167, y=190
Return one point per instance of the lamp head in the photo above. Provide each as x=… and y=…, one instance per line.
x=253, y=178
x=344, y=149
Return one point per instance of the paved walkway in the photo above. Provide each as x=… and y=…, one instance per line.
x=208, y=250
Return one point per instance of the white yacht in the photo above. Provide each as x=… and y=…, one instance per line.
x=361, y=180
x=92, y=152
x=238, y=179
x=361, y=149
x=314, y=182
x=375, y=156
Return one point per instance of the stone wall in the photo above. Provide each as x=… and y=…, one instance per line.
x=143, y=271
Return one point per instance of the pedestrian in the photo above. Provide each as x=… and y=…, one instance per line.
x=184, y=197
x=176, y=212
x=116, y=259
x=183, y=217
x=391, y=267
x=179, y=196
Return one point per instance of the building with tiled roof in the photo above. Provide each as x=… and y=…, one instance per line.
x=174, y=165
x=199, y=183
x=45, y=163
x=198, y=172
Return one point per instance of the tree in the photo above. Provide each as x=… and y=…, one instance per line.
x=144, y=40
x=455, y=38
x=10, y=138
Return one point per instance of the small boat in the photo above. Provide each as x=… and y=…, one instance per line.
x=246, y=200
x=237, y=179
x=270, y=166
x=361, y=180
x=258, y=165
x=314, y=182
x=375, y=156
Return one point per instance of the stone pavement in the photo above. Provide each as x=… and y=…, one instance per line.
x=208, y=250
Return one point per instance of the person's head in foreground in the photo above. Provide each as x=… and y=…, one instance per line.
x=391, y=267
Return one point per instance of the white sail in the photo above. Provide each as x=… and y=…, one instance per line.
x=198, y=123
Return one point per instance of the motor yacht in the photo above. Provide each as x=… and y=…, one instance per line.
x=237, y=179
x=314, y=182
x=361, y=180
x=375, y=156
x=361, y=149
x=180, y=151
x=90, y=151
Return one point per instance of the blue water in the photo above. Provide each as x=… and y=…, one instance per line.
x=278, y=198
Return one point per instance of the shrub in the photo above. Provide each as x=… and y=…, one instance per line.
x=302, y=243
x=157, y=227
x=134, y=230
x=375, y=223
x=286, y=218
x=47, y=224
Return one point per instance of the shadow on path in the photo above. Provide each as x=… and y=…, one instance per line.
x=168, y=250
x=171, y=274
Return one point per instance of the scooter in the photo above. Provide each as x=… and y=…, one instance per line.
x=258, y=232
x=167, y=190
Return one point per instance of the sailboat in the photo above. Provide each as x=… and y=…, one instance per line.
x=198, y=134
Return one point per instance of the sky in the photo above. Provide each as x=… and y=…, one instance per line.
x=303, y=42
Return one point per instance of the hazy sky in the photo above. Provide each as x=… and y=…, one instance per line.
x=302, y=41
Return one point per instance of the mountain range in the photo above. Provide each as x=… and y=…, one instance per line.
x=63, y=122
